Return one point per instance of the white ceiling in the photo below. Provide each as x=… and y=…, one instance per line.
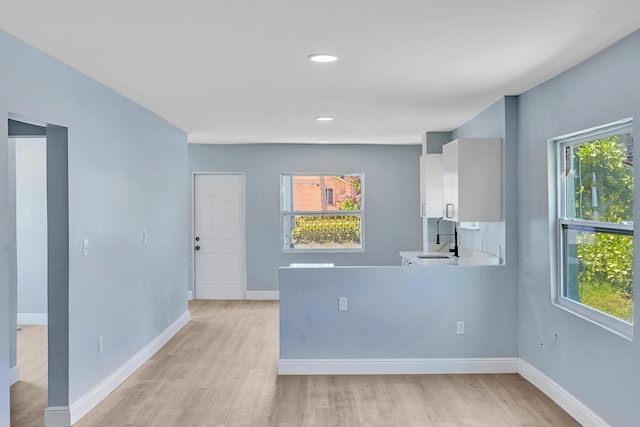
x=236, y=71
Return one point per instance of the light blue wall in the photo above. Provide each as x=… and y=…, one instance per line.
x=126, y=170
x=58, y=267
x=391, y=199
x=411, y=312
x=7, y=235
x=598, y=367
x=397, y=312
x=31, y=225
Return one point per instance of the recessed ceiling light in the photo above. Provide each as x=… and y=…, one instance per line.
x=323, y=57
x=324, y=118
x=322, y=140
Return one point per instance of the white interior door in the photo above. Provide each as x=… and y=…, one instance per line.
x=219, y=236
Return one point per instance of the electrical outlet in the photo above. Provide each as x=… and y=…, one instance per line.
x=145, y=237
x=342, y=303
x=459, y=327
x=100, y=344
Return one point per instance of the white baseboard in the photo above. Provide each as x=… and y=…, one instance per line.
x=270, y=295
x=189, y=295
x=33, y=319
x=82, y=406
x=501, y=365
x=559, y=395
x=14, y=375
x=57, y=416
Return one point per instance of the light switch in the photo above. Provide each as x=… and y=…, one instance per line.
x=85, y=247
x=145, y=238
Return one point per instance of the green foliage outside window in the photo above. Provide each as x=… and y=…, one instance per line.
x=604, y=158
x=605, y=274
x=352, y=200
x=318, y=229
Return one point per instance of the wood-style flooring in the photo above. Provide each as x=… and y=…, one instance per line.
x=29, y=395
x=220, y=370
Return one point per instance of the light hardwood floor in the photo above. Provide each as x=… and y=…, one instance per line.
x=29, y=395
x=220, y=370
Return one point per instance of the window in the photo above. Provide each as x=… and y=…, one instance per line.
x=329, y=196
x=595, y=225
x=322, y=212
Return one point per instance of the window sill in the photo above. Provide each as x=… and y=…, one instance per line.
x=323, y=251
x=605, y=321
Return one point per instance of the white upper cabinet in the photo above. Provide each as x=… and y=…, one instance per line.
x=431, y=185
x=472, y=180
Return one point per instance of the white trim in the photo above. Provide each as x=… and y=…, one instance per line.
x=269, y=295
x=596, y=317
x=14, y=375
x=189, y=295
x=597, y=132
x=559, y=395
x=33, y=319
x=57, y=416
x=83, y=405
x=499, y=365
x=559, y=221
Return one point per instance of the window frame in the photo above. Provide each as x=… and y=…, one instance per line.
x=562, y=223
x=360, y=213
x=330, y=200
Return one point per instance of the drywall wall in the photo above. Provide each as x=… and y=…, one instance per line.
x=391, y=178
x=397, y=312
x=31, y=228
x=7, y=235
x=58, y=268
x=126, y=174
x=595, y=365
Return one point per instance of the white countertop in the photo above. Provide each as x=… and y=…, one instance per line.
x=465, y=258
x=310, y=265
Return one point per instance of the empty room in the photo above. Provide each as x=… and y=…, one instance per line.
x=408, y=213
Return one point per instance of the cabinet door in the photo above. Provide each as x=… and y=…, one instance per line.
x=423, y=186
x=433, y=185
x=479, y=185
x=450, y=181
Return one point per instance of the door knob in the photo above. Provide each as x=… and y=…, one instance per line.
x=197, y=239
x=197, y=248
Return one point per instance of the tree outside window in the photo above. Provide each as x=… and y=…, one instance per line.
x=596, y=223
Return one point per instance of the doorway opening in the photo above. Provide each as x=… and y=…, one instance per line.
x=38, y=177
x=31, y=262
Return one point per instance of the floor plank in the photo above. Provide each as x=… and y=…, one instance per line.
x=221, y=370
x=29, y=395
